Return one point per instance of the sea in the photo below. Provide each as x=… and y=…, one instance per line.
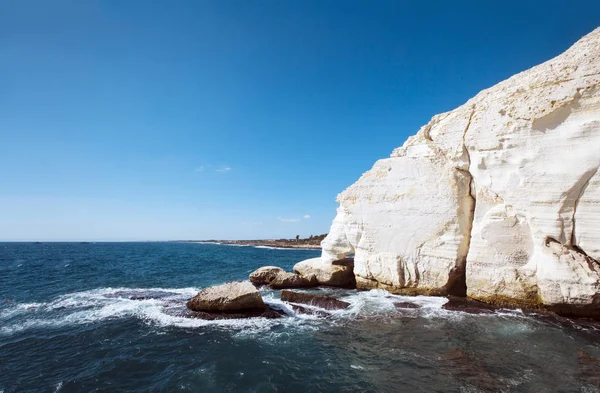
x=110, y=317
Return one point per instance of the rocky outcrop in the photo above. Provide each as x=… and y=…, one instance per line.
x=498, y=199
x=232, y=297
x=264, y=275
x=338, y=273
x=325, y=302
x=277, y=278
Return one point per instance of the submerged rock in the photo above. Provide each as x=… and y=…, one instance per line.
x=339, y=273
x=309, y=311
x=468, y=306
x=499, y=198
x=277, y=278
x=266, y=312
x=325, y=302
x=406, y=305
x=232, y=297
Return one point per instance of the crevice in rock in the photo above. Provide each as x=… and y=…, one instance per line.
x=457, y=279
x=591, y=174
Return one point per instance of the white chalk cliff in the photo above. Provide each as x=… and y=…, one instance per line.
x=503, y=191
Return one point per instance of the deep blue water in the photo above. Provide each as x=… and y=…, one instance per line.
x=108, y=317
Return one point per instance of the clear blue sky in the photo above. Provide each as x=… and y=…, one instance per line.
x=147, y=120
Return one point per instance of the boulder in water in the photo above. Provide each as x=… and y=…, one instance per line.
x=231, y=297
x=339, y=273
x=326, y=302
x=264, y=275
x=277, y=278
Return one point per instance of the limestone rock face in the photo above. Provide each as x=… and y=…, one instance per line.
x=338, y=273
x=501, y=194
x=230, y=297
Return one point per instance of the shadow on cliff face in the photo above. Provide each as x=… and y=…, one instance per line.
x=457, y=282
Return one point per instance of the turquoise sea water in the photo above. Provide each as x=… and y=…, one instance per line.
x=109, y=317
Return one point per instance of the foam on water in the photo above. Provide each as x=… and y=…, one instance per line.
x=286, y=248
x=111, y=303
x=165, y=307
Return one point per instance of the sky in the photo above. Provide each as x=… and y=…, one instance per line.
x=165, y=120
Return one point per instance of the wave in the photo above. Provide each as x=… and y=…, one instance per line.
x=287, y=248
x=220, y=244
x=165, y=307
x=263, y=247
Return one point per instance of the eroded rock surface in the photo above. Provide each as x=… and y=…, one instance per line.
x=231, y=297
x=337, y=273
x=325, y=302
x=498, y=199
x=277, y=278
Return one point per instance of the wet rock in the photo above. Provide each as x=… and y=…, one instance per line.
x=232, y=297
x=305, y=310
x=326, y=302
x=339, y=273
x=266, y=312
x=589, y=368
x=468, y=306
x=277, y=278
x=406, y=305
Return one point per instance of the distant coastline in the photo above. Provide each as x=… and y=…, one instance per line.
x=313, y=242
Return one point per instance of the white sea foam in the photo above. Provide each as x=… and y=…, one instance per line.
x=220, y=244
x=234, y=245
x=263, y=247
x=165, y=307
x=287, y=248
x=166, y=310
x=380, y=302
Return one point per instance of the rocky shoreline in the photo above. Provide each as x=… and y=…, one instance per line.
x=242, y=299
x=496, y=202
x=312, y=242
x=283, y=243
